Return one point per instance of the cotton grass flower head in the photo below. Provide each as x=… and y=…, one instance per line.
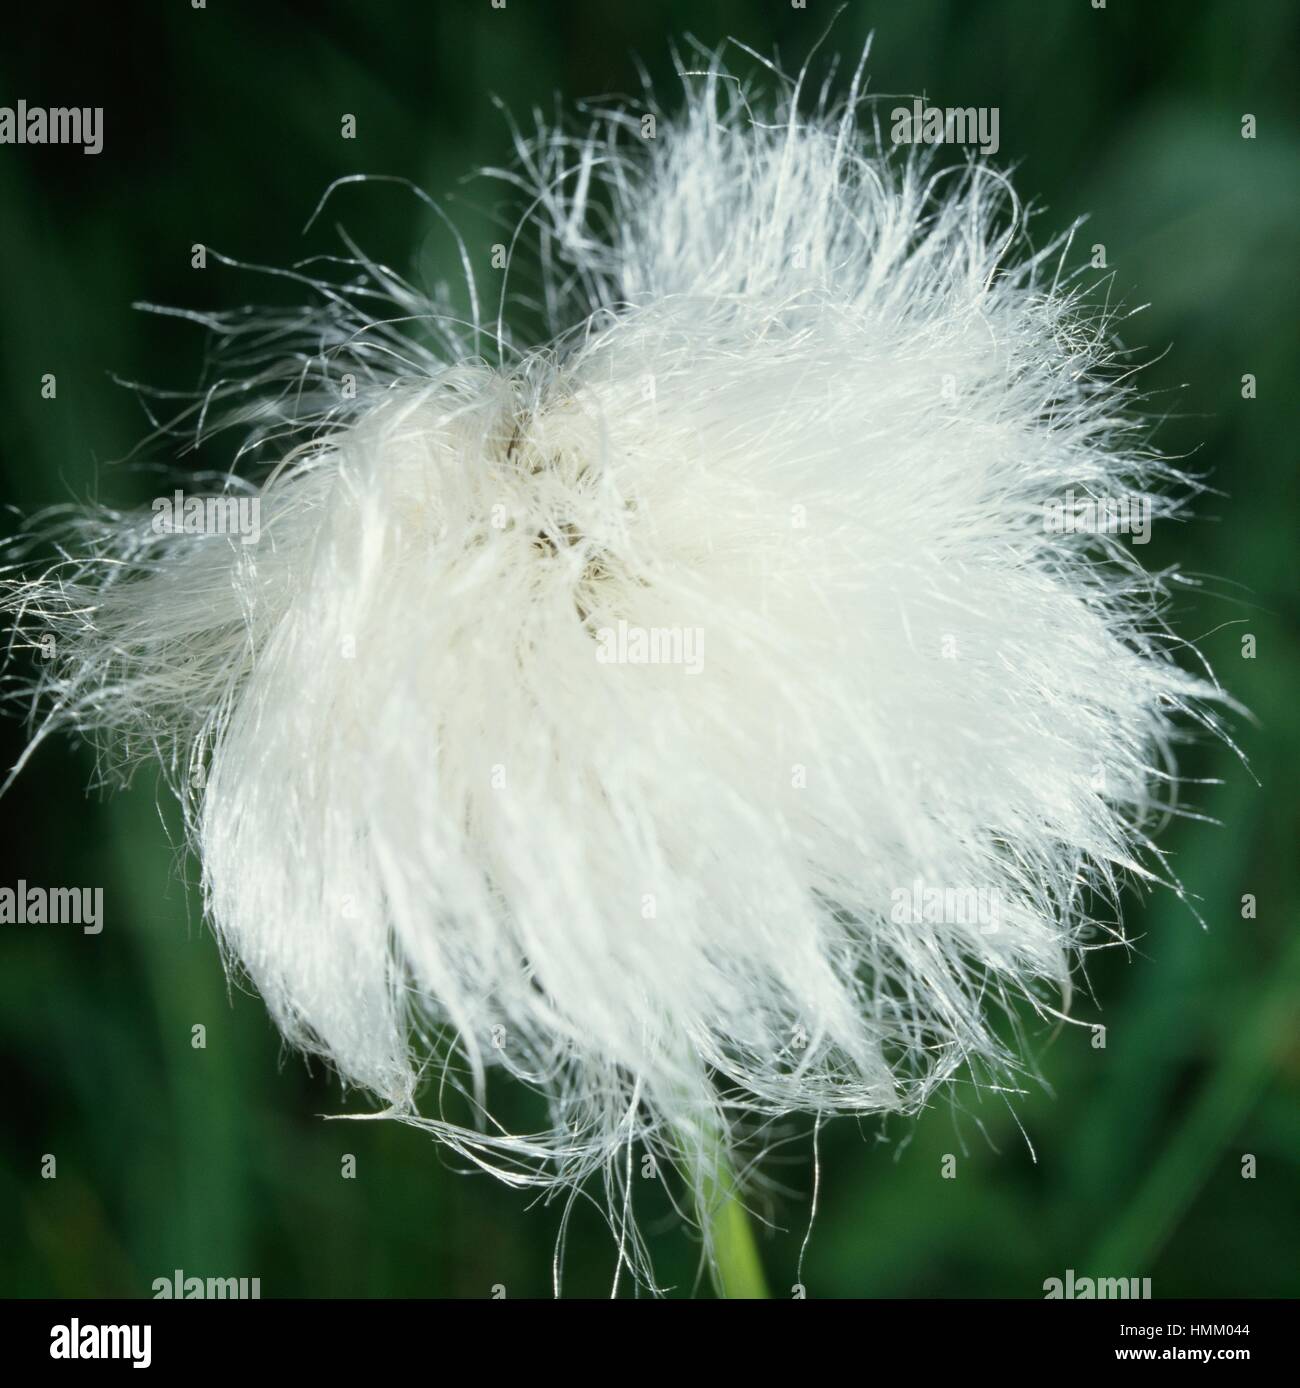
x=641, y=713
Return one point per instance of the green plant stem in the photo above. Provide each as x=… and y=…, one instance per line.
x=728, y=1236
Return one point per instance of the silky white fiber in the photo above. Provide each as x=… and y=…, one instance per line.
x=694, y=715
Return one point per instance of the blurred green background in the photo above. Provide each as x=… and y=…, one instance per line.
x=222, y=125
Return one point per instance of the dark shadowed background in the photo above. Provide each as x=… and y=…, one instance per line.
x=223, y=126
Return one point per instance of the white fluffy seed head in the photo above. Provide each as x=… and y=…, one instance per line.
x=694, y=716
